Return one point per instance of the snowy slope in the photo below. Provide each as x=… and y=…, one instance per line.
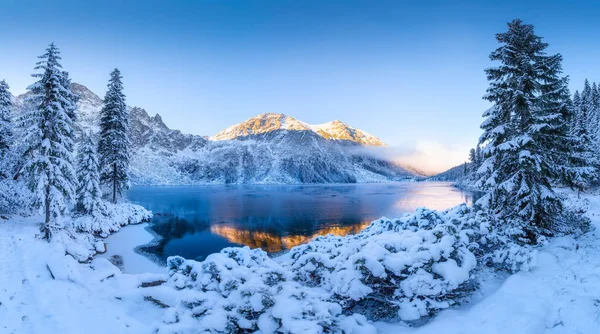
x=336, y=130
x=269, y=148
x=283, y=156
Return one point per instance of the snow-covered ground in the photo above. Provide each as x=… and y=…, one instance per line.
x=81, y=298
x=125, y=242
x=561, y=294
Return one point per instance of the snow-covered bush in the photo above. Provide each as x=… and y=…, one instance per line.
x=111, y=218
x=81, y=246
x=15, y=198
x=80, y=235
x=409, y=267
x=498, y=247
x=240, y=290
x=573, y=219
x=504, y=245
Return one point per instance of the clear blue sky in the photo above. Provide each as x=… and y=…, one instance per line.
x=410, y=72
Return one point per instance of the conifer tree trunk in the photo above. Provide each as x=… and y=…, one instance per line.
x=47, y=210
x=115, y=183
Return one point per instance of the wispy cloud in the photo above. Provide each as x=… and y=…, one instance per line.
x=429, y=157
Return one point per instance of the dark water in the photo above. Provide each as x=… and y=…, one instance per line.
x=196, y=221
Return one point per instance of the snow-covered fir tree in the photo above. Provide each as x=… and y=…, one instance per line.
x=472, y=156
x=113, y=147
x=576, y=124
x=70, y=98
x=595, y=111
x=525, y=134
x=594, y=119
x=6, y=130
x=48, y=134
x=586, y=107
x=586, y=110
x=475, y=159
x=578, y=168
x=89, y=195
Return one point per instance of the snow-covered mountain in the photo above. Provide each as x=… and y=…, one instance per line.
x=269, y=148
x=267, y=123
x=146, y=131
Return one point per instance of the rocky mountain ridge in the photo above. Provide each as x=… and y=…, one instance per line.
x=268, y=148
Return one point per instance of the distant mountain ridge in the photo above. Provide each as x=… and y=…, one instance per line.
x=453, y=174
x=270, y=122
x=268, y=148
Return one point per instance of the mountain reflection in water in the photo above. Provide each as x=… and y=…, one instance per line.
x=272, y=243
x=196, y=221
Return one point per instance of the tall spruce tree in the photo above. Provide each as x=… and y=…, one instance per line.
x=581, y=169
x=524, y=133
x=586, y=118
x=6, y=127
x=586, y=109
x=475, y=157
x=472, y=156
x=595, y=115
x=113, y=147
x=48, y=134
x=575, y=158
x=478, y=155
x=576, y=123
x=89, y=195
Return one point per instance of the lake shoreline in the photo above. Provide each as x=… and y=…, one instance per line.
x=126, y=243
x=195, y=221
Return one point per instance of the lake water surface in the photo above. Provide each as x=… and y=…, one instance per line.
x=196, y=221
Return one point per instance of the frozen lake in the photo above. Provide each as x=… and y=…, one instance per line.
x=196, y=221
